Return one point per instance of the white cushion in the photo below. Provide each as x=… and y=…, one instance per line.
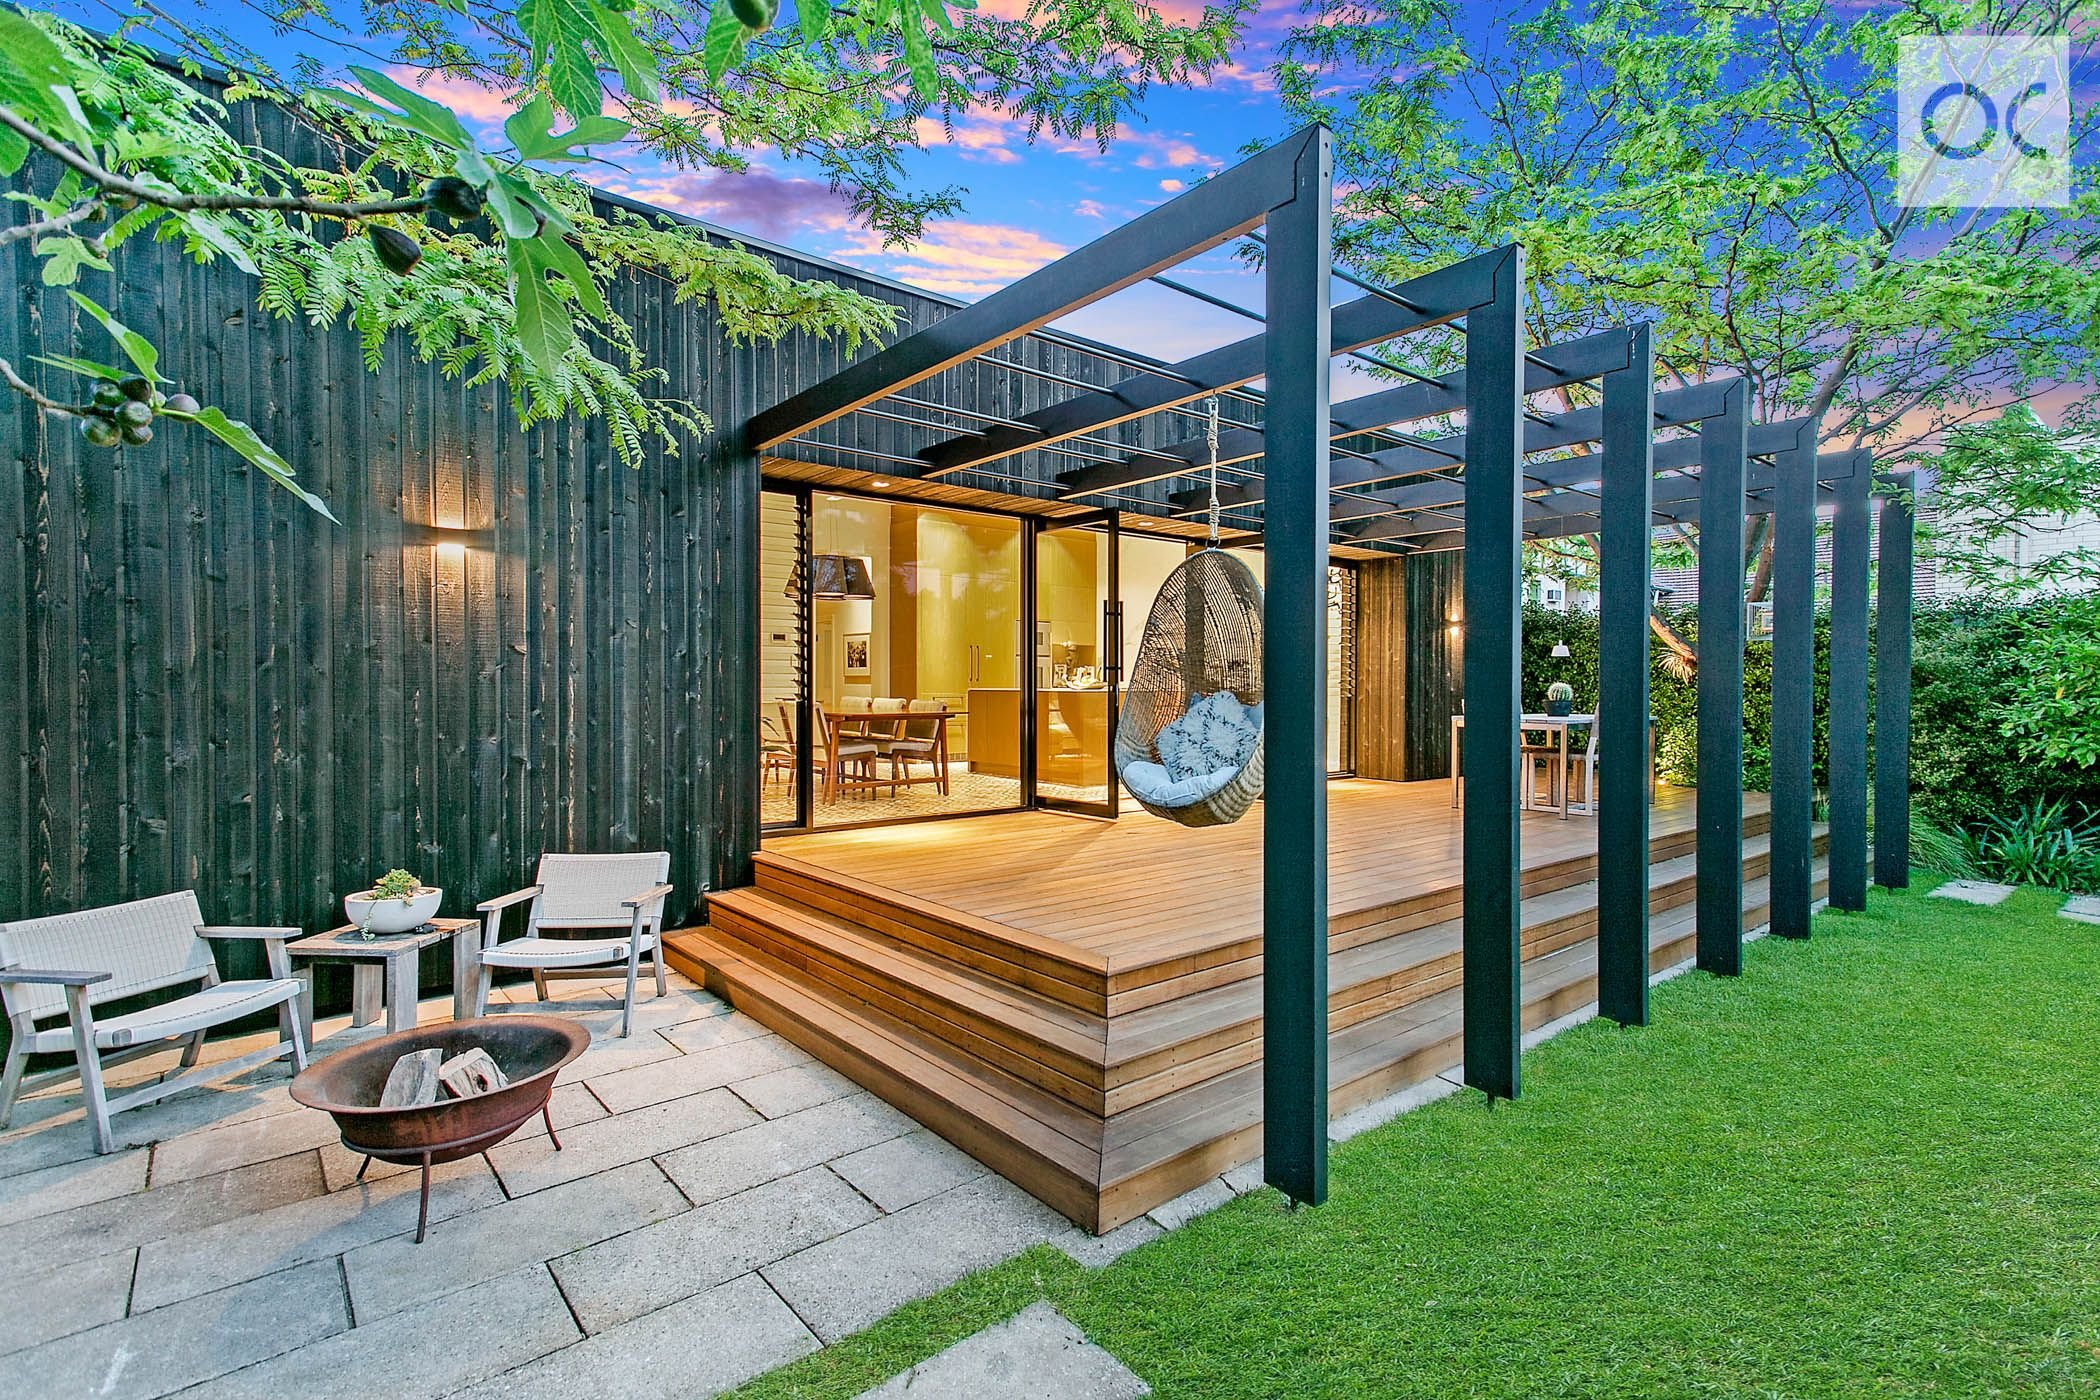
x=1149, y=782
x=561, y=952
x=198, y=1011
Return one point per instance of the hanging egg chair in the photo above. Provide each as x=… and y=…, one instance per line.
x=1189, y=725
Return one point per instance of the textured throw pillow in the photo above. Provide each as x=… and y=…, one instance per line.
x=1224, y=729
x=1177, y=743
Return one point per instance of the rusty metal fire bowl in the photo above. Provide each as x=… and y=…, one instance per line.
x=531, y=1050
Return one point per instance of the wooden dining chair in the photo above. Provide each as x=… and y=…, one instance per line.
x=921, y=742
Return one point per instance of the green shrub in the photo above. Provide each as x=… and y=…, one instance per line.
x=2043, y=843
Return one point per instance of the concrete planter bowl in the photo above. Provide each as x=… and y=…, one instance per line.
x=374, y=915
x=530, y=1050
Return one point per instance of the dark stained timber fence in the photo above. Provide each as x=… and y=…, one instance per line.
x=513, y=642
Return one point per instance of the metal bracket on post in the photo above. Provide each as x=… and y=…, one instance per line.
x=1626, y=549
x=1494, y=618
x=1724, y=444
x=1793, y=684
x=1297, y=275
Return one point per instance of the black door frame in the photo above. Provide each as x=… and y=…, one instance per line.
x=1109, y=524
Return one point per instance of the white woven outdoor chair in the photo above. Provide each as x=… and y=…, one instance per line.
x=68, y=964
x=582, y=892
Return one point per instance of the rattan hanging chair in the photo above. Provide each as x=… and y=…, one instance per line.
x=1189, y=727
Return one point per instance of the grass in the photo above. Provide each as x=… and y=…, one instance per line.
x=1866, y=1167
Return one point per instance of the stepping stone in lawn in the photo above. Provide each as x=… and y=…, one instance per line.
x=1973, y=891
x=2085, y=908
x=1036, y=1354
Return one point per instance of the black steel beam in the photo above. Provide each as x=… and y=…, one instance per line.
x=1849, y=549
x=1440, y=296
x=1493, y=582
x=1213, y=212
x=1294, y=678
x=1723, y=452
x=1626, y=574
x=1892, y=639
x=1794, y=685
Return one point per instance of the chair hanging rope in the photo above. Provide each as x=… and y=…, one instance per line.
x=1189, y=727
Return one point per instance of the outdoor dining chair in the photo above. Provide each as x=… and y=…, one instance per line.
x=69, y=964
x=593, y=892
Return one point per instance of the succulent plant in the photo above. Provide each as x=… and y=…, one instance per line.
x=396, y=884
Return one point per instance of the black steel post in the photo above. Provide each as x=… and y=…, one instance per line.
x=1892, y=619
x=1494, y=550
x=1296, y=275
x=1848, y=688
x=1724, y=443
x=1794, y=686
x=1626, y=546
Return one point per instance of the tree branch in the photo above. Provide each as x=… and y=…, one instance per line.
x=180, y=203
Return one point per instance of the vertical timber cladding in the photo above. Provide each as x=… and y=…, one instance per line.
x=212, y=687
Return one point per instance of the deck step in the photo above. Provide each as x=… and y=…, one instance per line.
x=1040, y=965
x=1029, y=1137
x=1175, y=1143
x=1039, y=1039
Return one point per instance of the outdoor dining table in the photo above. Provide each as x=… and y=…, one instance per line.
x=1555, y=725
x=850, y=717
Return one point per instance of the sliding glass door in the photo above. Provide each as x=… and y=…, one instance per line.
x=1076, y=665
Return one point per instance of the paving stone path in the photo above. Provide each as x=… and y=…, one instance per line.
x=1973, y=892
x=1037, y=1354
x=722, y=1204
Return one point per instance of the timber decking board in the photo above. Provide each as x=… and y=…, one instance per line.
x=1142, y=892
x=1103, y=1048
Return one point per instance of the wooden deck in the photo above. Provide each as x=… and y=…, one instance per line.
x=1078, y=1003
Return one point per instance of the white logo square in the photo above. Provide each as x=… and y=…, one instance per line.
x=1984, y=121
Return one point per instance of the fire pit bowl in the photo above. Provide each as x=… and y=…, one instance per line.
x=531, y=1051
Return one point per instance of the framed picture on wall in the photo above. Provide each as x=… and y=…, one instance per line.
x=856, y=656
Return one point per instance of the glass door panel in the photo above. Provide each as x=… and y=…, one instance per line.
x=1077, y=665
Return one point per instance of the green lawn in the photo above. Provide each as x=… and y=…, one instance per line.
x=1866, y=1167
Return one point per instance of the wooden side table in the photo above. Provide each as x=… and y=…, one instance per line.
x=383, y=968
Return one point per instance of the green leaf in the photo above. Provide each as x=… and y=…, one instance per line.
x=918, y=54
x=553, y=253
x=561, y=32
x=215, y=231
x=815, y=18
x=63, y=259
x=259, y=454
x=93, y=369
x=507, y=202
x=33, y=75
x=531, y=131
x=630, y=58
x=544, y=328
x=432, y=119
x=136, y=348
x=723, y=41
x=14, y=149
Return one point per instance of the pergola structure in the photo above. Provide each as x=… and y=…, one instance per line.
x=1314, y=474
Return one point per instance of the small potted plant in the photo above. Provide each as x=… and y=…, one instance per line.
x=396, y=903
x=1560, y=698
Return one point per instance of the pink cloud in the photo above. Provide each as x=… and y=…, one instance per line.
x=477, y=104
x=1172, y=186
x=781, y=208
x=974, y=137
x=1158, y=150
x=958, y=257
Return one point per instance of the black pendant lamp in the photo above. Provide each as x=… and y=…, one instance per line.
x=837, y=576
